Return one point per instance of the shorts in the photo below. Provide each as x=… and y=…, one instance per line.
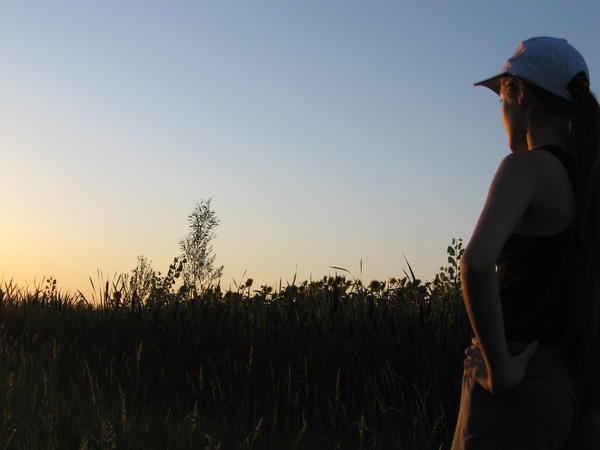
x=536, y=415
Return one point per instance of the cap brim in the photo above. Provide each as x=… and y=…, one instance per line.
x=493, y=82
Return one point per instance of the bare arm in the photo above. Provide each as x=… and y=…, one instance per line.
x=482, y=302
x=509, y=197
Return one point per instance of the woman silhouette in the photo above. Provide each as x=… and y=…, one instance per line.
x=531, y=271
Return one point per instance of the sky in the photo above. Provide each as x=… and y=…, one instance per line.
x=326, y=133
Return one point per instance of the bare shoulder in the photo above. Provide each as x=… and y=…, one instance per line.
x=520, y=162
x=530, y=159
x=518, y=170
x=541, y=177
x=539, y=167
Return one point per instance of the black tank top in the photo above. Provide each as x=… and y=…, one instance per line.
x=533, y=274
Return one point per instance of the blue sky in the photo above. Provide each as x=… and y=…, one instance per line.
x=324, y=132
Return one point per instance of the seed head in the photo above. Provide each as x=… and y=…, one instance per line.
x=375, y=286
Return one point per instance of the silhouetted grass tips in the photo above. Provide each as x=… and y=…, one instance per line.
x=323, y=364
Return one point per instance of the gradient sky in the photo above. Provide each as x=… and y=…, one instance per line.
x=325, y=132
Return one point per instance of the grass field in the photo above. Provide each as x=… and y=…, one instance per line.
x=331, y=364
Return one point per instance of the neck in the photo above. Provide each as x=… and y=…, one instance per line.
x=552, y=131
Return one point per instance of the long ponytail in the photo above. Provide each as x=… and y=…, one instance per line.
x=583, y=330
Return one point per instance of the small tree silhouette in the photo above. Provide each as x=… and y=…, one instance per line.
x=198, y=258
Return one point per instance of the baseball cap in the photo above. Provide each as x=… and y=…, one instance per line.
x=547, y=62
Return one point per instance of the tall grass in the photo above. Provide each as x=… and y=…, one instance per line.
x=328, y=364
